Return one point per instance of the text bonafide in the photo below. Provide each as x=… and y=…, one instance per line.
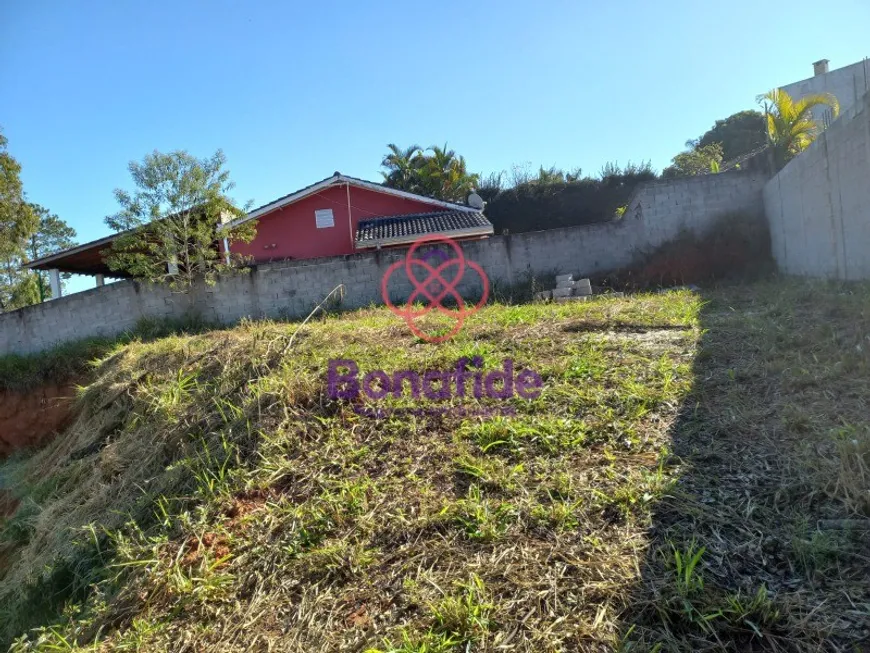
x=437, y=385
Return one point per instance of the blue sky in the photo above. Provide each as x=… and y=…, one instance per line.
x=293, y=91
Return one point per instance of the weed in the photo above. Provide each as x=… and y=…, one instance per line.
x=480, y=518
x=464, y=617
x=756, y=612
x=852, y=476
x=688, y=578
x=413, y=643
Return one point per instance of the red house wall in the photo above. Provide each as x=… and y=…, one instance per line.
x=291, y=232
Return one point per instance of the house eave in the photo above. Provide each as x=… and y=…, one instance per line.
x=44, y=263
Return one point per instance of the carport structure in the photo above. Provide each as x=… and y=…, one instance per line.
x=84, y=259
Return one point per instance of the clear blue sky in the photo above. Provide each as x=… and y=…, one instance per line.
x=293, y=91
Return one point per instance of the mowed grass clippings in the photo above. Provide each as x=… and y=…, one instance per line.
x=211, y=488
x=665, y=489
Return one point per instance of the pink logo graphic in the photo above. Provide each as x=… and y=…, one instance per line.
x=433, y=289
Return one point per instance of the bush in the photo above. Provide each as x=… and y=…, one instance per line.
x=562, y=201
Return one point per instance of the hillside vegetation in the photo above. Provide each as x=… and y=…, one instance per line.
x=695, y=475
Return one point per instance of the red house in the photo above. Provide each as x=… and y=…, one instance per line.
x=337, y=216
x=344, y=215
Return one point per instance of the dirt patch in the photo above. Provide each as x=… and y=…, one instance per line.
x=31, y=418
x=216, y=545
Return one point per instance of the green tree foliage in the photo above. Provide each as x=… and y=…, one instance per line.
x=735, y=136
x=738, y=134
x=17, y=222
x=700, y=160
x=172, y=226
x=20, y=287
x=613, y=176
x=402, y=166
x=52, y=235
x=27, y=231
x=436, y=172
x=791, y=127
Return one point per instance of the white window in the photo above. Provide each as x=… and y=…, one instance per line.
x=324, y=218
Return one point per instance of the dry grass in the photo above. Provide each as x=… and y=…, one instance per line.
x=664, y=491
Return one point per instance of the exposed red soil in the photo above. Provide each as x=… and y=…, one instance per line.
x=31, y=418
x=217, y=544
x=245, y=503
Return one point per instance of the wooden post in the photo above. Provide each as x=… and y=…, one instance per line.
x=101, y=280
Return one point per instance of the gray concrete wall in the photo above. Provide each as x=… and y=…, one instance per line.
x=664, y=208
x=847, y=84
x=818, y=206
x=657, y=212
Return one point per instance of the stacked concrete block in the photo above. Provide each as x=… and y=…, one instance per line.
x=567, y=289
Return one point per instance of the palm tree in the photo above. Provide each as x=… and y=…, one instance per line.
x=445, y=175
x=791, y=127
x=402, y=166
x=441, y=174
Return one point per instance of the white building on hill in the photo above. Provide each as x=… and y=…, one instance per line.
x=847, y=84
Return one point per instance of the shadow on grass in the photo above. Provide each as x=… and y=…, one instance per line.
x=584, y=326
x=737, y=560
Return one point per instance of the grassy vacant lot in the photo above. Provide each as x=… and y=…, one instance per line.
x=694, y=476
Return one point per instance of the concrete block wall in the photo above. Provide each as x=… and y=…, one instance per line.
x=656, y=213
x=104, y=311
x=818, y=206
x=669, y=206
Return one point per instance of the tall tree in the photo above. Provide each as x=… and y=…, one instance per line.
x=173, y=225
x=700, y=160
x=17, y=223
x=52, y=235
x=401, y=165
x=17, y=220
x=436, y=172
x=791, y=127
x=27, y=231
x=445, y=175
x=738, y=134
x=20, y=287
